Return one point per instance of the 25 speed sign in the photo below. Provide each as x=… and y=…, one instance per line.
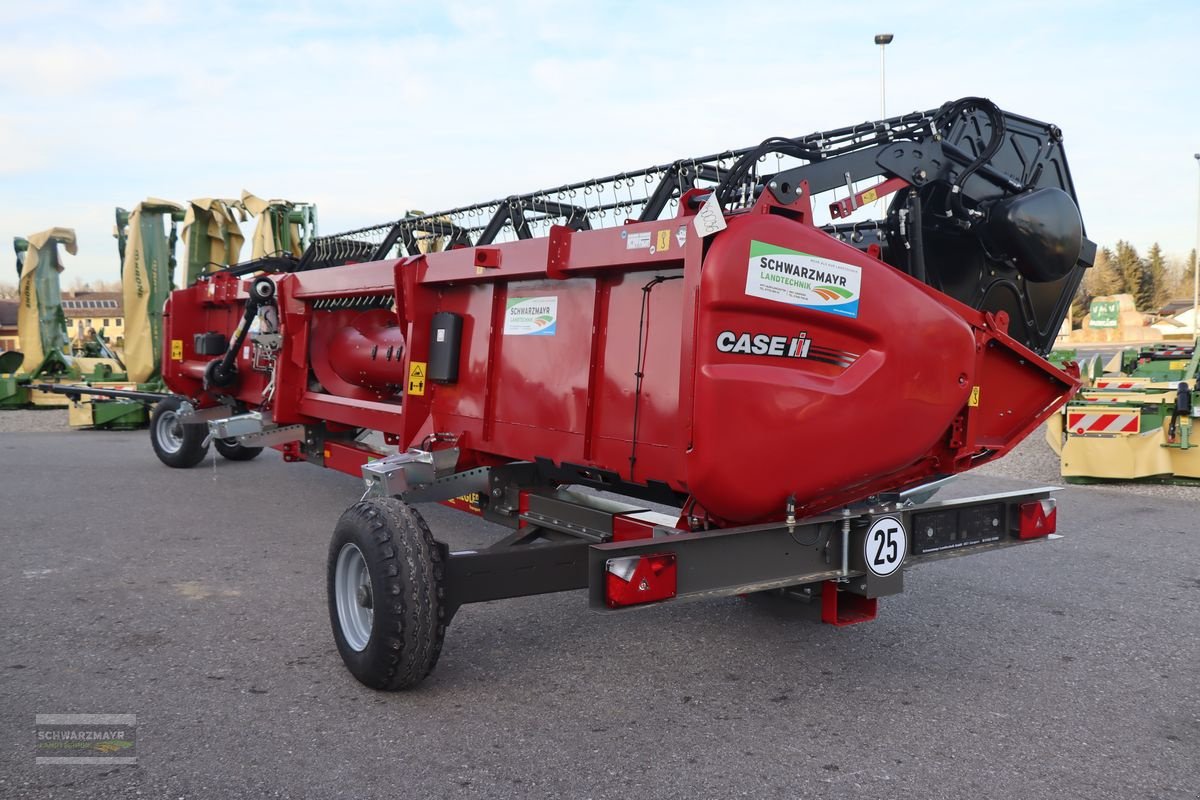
x=885, y=546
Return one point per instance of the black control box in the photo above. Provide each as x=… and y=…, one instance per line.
x=210, y=344
x=444, y=342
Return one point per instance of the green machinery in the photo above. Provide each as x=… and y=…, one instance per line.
x=283, y=227
x=45, y=345
x=1136, y=425
x=146, y=239
x=1160, y=363
x=1060, y=357
x=1143, y=434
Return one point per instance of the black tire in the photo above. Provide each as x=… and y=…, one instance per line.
x=234, y=451
x=176, y=445
x=406, y=591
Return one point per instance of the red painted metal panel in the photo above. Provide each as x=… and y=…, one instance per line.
x=347, y=458
x=544, y=372
x=347, y=281
x=740, y=400
x=468, y=396
x=354, y=413
x=843, y=608
x=626, y=527
x=658, y=406
x=874, y=392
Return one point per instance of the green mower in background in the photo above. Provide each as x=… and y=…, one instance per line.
x=1059, y=357
x=42, y=327
x=146, y=239
x=12, y=393
x=1160, y=363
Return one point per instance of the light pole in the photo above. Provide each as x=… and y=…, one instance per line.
x=1196, y=265
x=883, y=40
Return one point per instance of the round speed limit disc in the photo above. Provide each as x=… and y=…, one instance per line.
x=885, y=546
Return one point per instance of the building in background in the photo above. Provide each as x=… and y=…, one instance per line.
x=99, y=311
x=9, y=340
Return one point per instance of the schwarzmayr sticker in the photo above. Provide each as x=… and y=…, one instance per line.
x=530, y=316
x=804, y=280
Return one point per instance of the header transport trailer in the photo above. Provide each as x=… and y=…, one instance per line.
x=688, y=335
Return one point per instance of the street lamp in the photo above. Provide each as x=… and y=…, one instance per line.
x=1196, y=266
x=884, y=39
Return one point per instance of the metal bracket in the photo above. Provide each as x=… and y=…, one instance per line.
x=405, y=473
x=190, y=415
x=451, y=486
x=921, y=494
x=240, y=425
x=273, y=436
x=254, y=430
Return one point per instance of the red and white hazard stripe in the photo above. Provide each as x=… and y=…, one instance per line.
x=1083, y=422
x=1111, y=384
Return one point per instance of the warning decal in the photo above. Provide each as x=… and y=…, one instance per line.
x=177, y=349
x=664, y=241
x=1091, y=423
x=804, y=280
x=416, y=378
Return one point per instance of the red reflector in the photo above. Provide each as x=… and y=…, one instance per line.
x=1038, y=518
x=633, y=580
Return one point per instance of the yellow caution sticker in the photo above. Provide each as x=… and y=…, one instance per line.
x=1177, y=364
x=664, y=241
x=177, y=349
x=974, y=401
x=416, y=378
x=870, y=196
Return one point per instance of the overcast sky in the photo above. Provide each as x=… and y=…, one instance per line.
x=369, y=109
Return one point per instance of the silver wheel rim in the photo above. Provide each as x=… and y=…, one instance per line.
x=352, y=592
x=170, y=432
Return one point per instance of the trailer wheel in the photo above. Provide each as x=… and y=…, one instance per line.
x=176, y=445
x=235, y=451
x=385, y=591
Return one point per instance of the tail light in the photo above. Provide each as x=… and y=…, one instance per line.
x=633, y=580
x=1038, y=518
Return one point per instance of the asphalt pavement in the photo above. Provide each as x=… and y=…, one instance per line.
x=194, y=599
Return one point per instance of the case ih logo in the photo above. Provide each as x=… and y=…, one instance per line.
x=765, y=344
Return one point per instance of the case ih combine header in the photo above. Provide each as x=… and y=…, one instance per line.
x=686, y=335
